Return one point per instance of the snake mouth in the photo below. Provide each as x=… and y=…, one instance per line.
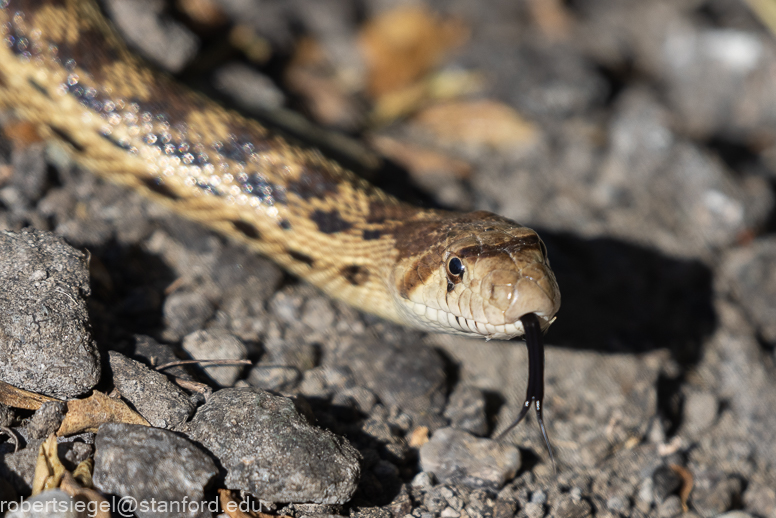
x=449, y=322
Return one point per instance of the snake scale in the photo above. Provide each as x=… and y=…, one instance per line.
x=63, y=68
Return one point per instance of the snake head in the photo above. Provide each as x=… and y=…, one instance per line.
x=478, y=276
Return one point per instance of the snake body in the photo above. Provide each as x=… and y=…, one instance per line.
x=63, y=68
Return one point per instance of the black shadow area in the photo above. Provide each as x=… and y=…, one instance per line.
x=128, y=290
x=619, y=297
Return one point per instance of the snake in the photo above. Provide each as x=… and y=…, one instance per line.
x=64, y=69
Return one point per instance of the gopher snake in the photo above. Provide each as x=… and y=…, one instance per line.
x=63, y=68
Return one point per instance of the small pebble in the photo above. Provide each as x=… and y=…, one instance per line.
x=215, y=344
x=454, y=455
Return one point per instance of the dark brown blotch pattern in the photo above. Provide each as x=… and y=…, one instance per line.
x=314, y=181
x=156, y=187
x=356, y=275
x=246, y=229
x=330, y=222
x=64, y=135
x=301, y=258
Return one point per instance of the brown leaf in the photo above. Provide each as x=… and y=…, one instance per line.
x=418, y=437
x=100, y=508
x=482, y=123
x=420, y=161
x=687, y=483
x=20, y=398
x=402, y=45
x=86, y=415
x=48, y=468
x=438, y=86
x=50, y=473
x=22, y=133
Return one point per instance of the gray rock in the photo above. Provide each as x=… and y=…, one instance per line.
x=392, y=445
x=734, y=514
x=699, y=411
x=185, y=312
x=406, y=375
x=166, y=42
x=456, y=456
x=715, y=492
x=670, y=507
x=665, y=482
x=149, y=463
x=7, y=415
x=760, y=498
x=46, y=420
x=359, y=398
x=248, y=87
x=268, y=449
x=217, y=344
x=19, y=468
x=153, y=353
x=77, y=452
x=466, y=410
x=423, y=480
x=29, y=185
x=45, y=344
x=155, y=397
x=53, y=503
x=753, y=279
x=274, y=378
x=568, y=507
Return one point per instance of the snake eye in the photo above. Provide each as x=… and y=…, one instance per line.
x=455, y=267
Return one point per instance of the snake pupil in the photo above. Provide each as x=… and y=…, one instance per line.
x=455, y=266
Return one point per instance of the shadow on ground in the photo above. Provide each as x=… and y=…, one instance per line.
x=620, y=297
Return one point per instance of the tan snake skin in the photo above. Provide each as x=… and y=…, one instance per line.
x=62, y=68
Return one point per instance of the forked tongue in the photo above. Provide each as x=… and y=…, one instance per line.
x=535, y=393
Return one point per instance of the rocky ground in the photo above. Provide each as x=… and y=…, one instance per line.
x=639, y=138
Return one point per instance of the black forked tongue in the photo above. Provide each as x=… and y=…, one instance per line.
x=535, y=394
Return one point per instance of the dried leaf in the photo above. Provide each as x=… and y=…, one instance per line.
x=22, y=133
x=99, y=509
x=687, y=483
x=86, y=415
x=481, y=123
x=83, y=472
x=48, y=468
x=420, y=161
x=418, y=437
x=207, y=14
x=402, y=45
x=442, y=86
x=20, y=398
